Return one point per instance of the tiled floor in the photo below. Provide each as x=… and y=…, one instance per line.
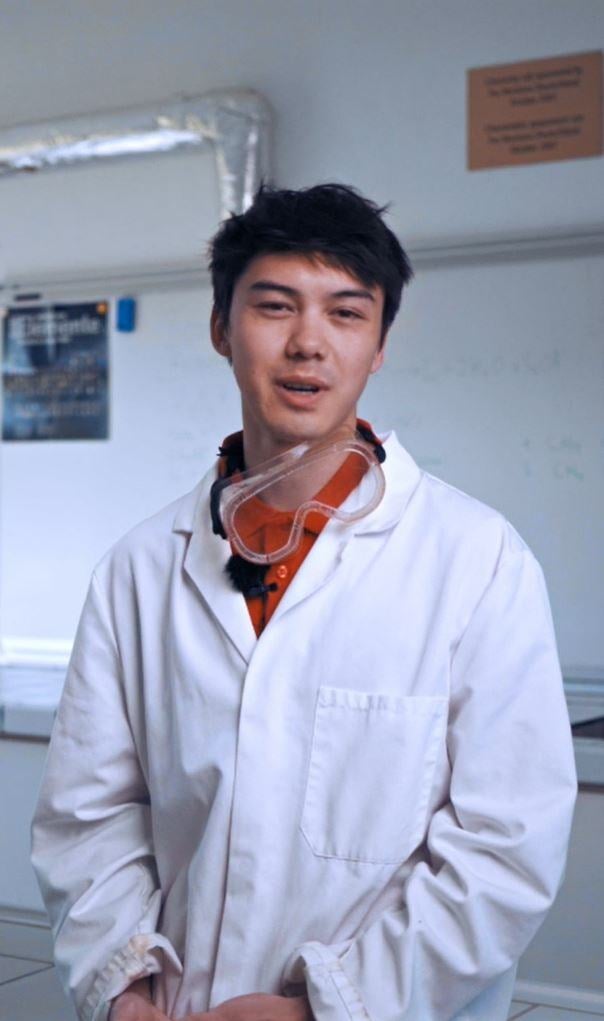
x=534, y=1012
x=30, y=989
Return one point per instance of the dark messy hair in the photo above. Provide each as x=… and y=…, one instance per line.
x=332, y=221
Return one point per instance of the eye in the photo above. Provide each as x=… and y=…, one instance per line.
x=348, y=313
x=276, y=307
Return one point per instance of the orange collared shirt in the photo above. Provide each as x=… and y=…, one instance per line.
x=274, y=528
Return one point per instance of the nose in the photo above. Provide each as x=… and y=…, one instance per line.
x=306, y=337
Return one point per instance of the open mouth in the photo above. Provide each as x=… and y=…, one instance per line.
x=301, y=388
x=299, y=385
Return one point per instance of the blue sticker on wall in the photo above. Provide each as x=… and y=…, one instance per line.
x=55, y=372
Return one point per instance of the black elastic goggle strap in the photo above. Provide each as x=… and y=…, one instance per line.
x=233, y=455
x=367, y=435
x=215, y=491
x=248, y=578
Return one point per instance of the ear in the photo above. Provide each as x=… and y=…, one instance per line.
x=218, y=333
x=380, y=354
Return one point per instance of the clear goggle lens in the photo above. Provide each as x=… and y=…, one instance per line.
x=264, y=511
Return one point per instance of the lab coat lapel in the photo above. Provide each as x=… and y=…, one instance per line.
x=403, y=476
x=317, y=568
x=204, y=563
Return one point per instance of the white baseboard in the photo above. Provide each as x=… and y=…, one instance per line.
x=24, y=916
x=559, y=996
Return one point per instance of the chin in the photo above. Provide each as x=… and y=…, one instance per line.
x=303, y=433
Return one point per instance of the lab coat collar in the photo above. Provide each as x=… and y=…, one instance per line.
x=402, y=478
x=207, y=554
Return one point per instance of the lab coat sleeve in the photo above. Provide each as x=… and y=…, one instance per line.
x=495, y=851
x=91, y=843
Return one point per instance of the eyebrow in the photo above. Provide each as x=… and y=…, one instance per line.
x=348, y=292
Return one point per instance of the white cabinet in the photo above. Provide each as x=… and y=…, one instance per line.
x=569, y=948
x=21, y=764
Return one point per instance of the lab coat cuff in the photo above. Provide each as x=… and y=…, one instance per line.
x=332, y=996
x=144, y=954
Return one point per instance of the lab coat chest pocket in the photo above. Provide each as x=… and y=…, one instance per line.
x=370, y=772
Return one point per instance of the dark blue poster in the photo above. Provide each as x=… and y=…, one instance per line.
x=55, y=372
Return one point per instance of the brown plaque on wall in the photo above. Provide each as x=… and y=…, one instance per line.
x=535, y=111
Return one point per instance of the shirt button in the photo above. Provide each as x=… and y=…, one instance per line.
x=282, y=572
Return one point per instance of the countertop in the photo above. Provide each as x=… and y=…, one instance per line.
x=29, y=696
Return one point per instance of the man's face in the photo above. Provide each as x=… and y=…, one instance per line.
x=303, y=337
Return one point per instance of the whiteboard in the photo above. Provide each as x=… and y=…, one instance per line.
x=65, y=502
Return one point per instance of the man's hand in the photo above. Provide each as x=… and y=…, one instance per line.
x=256, y=1007
x=134, y=1004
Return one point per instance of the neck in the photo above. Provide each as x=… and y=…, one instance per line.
x=260, y=446
x=296, y=489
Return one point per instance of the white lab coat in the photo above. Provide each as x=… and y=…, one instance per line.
x=373, y=798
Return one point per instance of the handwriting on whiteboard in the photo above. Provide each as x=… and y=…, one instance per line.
x=431, y=369
x=560, y=455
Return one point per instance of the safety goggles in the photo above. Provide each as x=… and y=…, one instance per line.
x=265, y=510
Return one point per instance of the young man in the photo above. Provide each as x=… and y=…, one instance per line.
x=334, y=782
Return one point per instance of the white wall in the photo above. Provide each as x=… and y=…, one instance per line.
x=367, y=91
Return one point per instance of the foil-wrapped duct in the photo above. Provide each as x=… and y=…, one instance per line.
x=235, y=123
